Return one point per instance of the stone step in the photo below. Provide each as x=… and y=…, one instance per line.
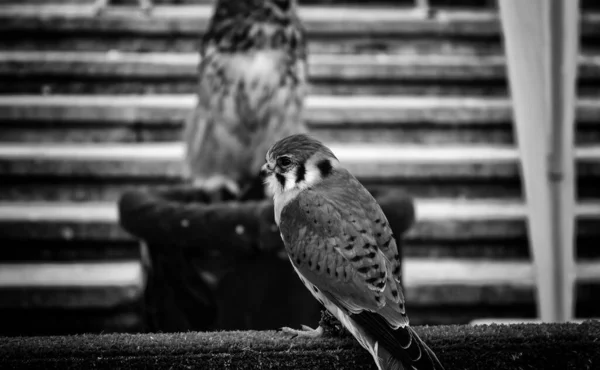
x=101, y=171
x=375, y=162
x=93, y=189
x=330, y=28
x=156, y=65
x=32, y=322
x=62, y=250
x=318, y=19
x=428, y=282
x=367, y=118
x=321, y=66
x=586, y=4
x=193, y=19
x=321, y=109
x=438, y=220
x=401, y=3
x=69, y=247
x=73, y=285
x=24, y=40
x=70, y=297
x=114, y=72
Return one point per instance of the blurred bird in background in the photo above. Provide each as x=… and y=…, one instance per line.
x=341, y=245
x=252, y=83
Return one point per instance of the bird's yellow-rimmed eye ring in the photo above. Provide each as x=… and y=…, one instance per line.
x=284, y=162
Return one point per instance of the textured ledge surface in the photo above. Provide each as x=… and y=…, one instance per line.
x=528, y=346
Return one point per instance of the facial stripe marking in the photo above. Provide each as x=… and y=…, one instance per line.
x=300, y=173
x=325, y=167
x=281, y=179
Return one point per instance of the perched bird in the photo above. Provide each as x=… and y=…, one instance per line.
x=252, y=83
x=342, y=247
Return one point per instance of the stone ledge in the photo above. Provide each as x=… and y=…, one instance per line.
x=547, y=346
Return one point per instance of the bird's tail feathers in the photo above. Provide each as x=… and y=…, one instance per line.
x=395, y=346
x=421, y=355
x=416, y=354
x=385, y=360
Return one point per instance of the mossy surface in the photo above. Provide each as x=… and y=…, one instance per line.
x=545, y=346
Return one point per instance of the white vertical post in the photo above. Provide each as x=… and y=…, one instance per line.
x=564, y=29
x=541, y=43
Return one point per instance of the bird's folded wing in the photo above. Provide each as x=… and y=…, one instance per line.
x=340, y=244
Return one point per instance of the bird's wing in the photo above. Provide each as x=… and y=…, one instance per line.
x=339, y=239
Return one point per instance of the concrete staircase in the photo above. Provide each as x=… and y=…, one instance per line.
x=92, y=106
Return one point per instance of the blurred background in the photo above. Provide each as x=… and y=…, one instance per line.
x=92, y=106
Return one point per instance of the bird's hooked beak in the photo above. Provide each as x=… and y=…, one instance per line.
x=265, y=171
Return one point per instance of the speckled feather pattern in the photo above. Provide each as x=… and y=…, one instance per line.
x=252, y=84
x=343, y=249
x=336, y=233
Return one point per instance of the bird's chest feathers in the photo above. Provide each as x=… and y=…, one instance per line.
x=257, y=68
x=281, y=199
x=254, y=85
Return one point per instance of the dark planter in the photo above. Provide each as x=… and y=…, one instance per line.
x=222, y=266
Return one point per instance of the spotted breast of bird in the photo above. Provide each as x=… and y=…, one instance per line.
x=252, y=84
x=341, y=246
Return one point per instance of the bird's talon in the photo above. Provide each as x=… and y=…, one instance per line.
x=306, y=332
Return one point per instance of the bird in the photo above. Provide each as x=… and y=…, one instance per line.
x=340, y=244
x=251, y=89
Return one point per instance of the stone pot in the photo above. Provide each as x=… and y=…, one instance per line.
x=222, y=266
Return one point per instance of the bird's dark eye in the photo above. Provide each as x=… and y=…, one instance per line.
x=284, y=162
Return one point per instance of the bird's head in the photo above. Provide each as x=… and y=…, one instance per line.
x=297, y=162
x=243, y=25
